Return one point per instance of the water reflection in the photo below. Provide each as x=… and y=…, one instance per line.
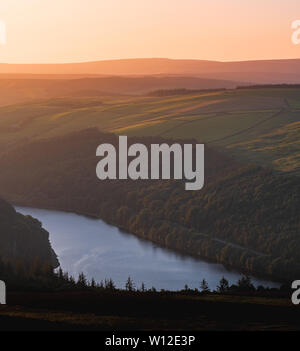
x=103, y=251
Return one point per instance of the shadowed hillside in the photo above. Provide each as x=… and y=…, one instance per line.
x=24, y=244
x=237, y=218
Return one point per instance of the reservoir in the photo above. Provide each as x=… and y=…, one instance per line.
x=100, y=250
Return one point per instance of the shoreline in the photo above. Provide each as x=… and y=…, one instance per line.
x=183, y=252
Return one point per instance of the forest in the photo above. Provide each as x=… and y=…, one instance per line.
x=245, y=217
x=28, y=263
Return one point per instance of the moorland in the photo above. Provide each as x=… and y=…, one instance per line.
x=245, y=217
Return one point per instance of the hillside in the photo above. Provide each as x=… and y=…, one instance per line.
x=263, y=71
x=236, y=219
x=257, y=125
x=251, y=135
x=18, y=90
x=23, y=242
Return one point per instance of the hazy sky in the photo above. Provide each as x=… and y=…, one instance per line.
x=85, y=30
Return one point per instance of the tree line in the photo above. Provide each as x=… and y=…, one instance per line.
x=45, y=278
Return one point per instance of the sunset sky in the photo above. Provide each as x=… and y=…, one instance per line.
x=52, y=31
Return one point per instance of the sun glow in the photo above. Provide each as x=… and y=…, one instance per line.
x=52, y=31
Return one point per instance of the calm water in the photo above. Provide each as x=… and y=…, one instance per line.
x=103, y=251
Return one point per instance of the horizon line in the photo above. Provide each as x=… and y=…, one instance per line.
x=149, y=58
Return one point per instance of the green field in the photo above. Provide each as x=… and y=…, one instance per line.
x=261, y=125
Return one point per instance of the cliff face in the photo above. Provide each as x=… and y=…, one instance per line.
x=23, y=240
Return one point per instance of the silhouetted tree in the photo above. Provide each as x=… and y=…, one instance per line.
x=223, y=286
x=109, y=284
x=93, y=283
x=204, y=286
x=129, y=286
x=244, y=284
x=82, y=281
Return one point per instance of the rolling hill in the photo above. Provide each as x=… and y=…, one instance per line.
x=48, y=160
x=20, y=90
x=263, y=71
x=258, y=125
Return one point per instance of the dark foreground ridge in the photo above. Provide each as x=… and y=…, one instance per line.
x=131, y=310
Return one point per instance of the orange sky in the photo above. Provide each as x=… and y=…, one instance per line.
x=46, y=31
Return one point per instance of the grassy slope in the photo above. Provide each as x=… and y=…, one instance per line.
x=24, y=90
x=261, y=125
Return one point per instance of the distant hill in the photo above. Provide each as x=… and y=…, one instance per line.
x=19, y=90
x=262, y=71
